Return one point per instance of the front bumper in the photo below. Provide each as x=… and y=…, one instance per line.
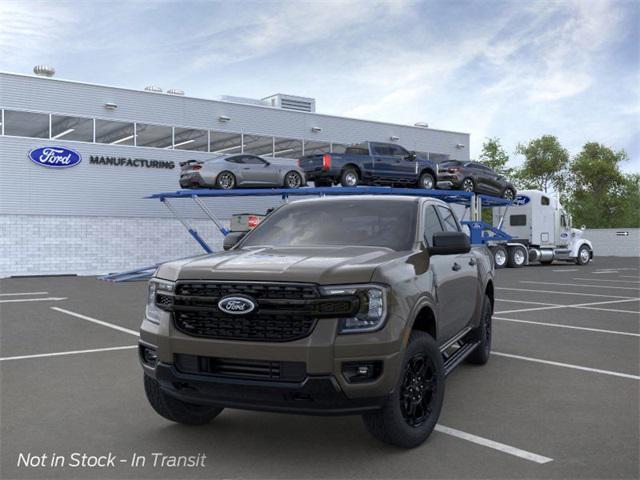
x=323, y=389
x=316, y=395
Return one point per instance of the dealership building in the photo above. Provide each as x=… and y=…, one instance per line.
x=92, y=217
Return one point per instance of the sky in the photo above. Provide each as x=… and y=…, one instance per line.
x=509, y=69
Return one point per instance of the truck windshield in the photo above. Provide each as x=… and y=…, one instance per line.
x=375, y=222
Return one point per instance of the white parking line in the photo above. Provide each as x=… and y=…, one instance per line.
x=572, y=327
x=633, y=312
x=71, y=352
x=47, y=299
x=588, y=306
x=23, y=293
x=567, y=365
x=96, y=321
x=567, y=270
x=485, y=442
x=628, y=276
x=527, y=301
x=561, y=293
x=604, y=280
x=581, y=285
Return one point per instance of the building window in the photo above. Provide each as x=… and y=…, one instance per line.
x=438, y=157
x=225, y=143
x=114, y=133
x=71, y=128
x=26, y=124
x=313, y=148
x=258, y=145
x=157, y=136
x=191, y=139
x=287, y=148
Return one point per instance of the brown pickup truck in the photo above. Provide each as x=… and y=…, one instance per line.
x=342, y=305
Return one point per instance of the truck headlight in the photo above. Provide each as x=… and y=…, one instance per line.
x=156, y=288
x=373, y=307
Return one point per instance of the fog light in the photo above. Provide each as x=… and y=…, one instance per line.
x=149, y=356
x=357, y=372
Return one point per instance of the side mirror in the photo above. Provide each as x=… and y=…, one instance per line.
x=449, y=243
x=231, y=239
x=412, y=156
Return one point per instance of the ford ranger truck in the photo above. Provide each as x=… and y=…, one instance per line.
x=371, y=163
x=342, y=305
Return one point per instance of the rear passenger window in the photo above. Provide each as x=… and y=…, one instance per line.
x=544, y=201
x=431, y=224
x=518, y=220
x=449, y=222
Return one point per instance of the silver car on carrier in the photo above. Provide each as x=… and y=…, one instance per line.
x=241, y=170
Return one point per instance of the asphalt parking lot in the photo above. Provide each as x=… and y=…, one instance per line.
x=558, y=399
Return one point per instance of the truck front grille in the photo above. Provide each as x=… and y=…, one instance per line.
x=247, y=369
x=284, y=312
x=258, y=327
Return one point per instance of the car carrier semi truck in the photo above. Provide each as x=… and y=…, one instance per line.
x=541, y=231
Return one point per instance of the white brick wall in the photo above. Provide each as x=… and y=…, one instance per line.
x=46, y=245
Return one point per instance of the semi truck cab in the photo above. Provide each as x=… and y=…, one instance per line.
x=538, y=223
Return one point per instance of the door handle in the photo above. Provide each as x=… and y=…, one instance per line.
x=472, y=262
x=456, y=267
x=246, y=168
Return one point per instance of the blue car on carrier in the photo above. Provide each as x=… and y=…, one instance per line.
x=371, y=163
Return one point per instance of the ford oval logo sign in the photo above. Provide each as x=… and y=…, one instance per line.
x=521, y=200
x=55, y=157
x=236, y=305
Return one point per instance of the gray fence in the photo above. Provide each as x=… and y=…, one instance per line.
x=614, y=242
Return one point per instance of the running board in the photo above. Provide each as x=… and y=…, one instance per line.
x=458, y=356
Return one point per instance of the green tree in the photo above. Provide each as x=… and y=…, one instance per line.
x=545, y=164
x=600, y=195
x=494, y=156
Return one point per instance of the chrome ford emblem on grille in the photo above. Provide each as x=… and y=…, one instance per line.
x=236, y=305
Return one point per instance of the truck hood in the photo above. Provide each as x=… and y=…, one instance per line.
x=321, y=265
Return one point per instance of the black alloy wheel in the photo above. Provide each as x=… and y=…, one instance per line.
x=226, y=180
x=508, y=194
x=468, y=185
x=293, y=180
x=418, y=390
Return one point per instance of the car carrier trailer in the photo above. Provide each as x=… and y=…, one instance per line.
x=470, y=203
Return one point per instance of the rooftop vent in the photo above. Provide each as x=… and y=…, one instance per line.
x=175, y=91
x=291, y=102
x=44, y=71
x=421, y=124
x=153, y=88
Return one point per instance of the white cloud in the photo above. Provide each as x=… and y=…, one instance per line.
x=31, y=28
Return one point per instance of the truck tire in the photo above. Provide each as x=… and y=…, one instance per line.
x=584, y=255
x=500, y=256
x=410, y=413
x=427, y=181
x=482, y=334
x=176, y=410
x=517, y=257
x=349, y=178
x=508, y=194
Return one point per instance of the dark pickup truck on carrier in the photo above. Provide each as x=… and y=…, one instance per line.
x=371, y=163
x=344, y=305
